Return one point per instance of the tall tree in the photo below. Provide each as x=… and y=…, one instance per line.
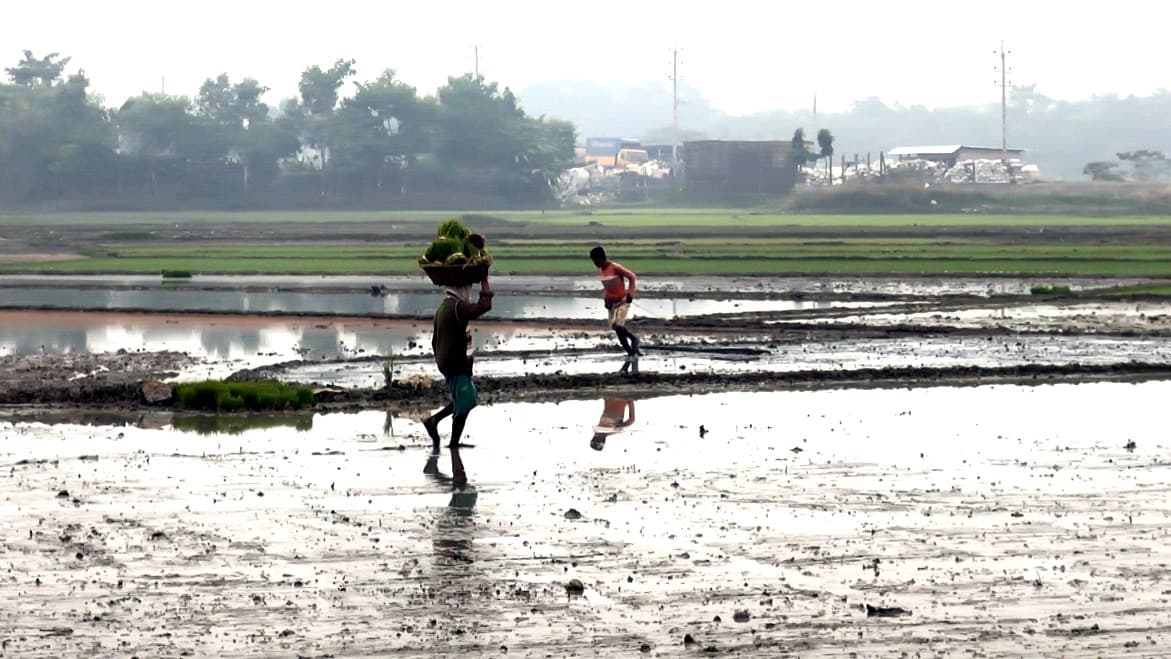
x=549, y=152
x=381, y=130
x=479, y=125
x=799, y=154
x=33, y=71
x=165, y=135
x=244, y=126
x=825, y=142
x=319, y=97
x=54, y=137
x=483, y=133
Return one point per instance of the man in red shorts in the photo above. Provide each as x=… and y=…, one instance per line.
x=617, y=296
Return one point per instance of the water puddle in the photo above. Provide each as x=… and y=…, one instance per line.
x=179, y=299
x=231, y=338
x=986, y=519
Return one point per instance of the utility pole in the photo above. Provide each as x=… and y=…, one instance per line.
x=1003, y=68
x=674, y=108
x=476, y=56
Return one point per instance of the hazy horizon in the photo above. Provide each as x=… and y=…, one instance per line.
x=913, y=54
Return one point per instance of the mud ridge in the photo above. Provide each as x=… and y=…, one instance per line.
x=534, y=388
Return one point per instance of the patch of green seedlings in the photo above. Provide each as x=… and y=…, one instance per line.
x=455, y=244
x=176, y=274
x=1050, y=290
x=217, y=396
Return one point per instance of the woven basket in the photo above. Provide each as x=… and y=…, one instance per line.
x=456, y=275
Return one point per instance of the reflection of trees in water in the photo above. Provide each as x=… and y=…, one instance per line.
x=223, y=341
x=26, y=341
x=382, y=341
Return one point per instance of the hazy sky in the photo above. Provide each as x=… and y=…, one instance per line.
x=744, y=56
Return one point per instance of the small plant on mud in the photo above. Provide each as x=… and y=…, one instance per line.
x=388, y=372
x=215, y=396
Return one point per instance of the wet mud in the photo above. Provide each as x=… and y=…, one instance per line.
x=955, y=473
x=847, y=523
x=85, y=379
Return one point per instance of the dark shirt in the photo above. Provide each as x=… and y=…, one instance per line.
x=452, y=340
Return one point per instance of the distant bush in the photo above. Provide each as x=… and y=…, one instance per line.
x=176, y=274
x=216, y=396
x=1050, y=290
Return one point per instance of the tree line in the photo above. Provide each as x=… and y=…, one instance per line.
x=382, y=144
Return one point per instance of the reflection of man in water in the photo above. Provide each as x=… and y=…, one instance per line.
x=458, y=478
x=612, y=422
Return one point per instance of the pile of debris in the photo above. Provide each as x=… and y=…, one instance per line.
x=593, y=185
x=925, y=171
x=991, y=171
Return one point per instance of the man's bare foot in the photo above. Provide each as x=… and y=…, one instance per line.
x=432, y=427
x=432, y=466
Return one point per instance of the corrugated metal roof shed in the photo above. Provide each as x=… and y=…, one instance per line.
x=935, y=150
x=942, y=150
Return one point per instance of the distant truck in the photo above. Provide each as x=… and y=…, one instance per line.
x=614, y=153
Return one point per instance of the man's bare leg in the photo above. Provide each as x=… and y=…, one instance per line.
x=432, y=425
x=459, y=477
x=457, y=429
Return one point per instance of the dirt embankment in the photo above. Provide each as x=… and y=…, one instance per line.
x=115, y=381
x=84, y=379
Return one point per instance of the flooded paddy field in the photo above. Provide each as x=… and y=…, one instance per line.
x=844, y=522
x=330, y=331
x=703, y=287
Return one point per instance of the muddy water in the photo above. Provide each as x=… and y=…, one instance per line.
x=924, y=286
x=1001, y=520
x=247, y=342
x=1082, y=316
x=178, y=299
x=850, y=354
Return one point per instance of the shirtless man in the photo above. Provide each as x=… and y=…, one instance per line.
x=617, y=296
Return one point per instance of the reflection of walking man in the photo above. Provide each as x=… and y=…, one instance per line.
x=452, y=343
x=614, y=420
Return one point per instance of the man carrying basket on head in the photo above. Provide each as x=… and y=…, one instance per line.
x=452, y=345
